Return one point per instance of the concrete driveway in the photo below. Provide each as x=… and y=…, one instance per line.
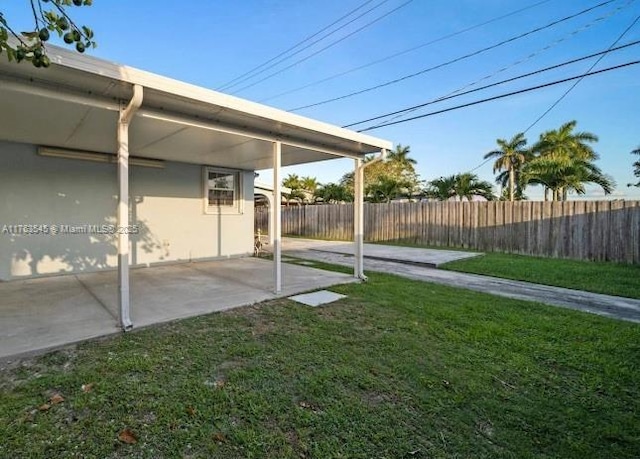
x=412, y=255
x=44, y=313
x=605, y=305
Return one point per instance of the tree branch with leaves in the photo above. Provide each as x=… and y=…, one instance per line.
x=49, y=16
x=636, y=167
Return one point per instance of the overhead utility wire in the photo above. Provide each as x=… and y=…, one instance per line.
x=458, y=59
x=567, y=91
x=404, y=112
x=401, y=53
x=330, y=45
x=253, y=72
x=502, y=96
x=509, y=80
x=297, y=44
x=580, y=79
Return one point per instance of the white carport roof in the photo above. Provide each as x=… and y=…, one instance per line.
x=74, y=104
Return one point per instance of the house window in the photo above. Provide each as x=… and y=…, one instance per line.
x=222, y=191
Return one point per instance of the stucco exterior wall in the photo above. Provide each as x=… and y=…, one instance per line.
x=167, y=206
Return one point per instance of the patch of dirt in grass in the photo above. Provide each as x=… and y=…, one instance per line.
x=13, y=373
x=262, y=328
x=259, y=321
x=485, y=428
x=294, y=440
x=374, y=398
x=218, y=377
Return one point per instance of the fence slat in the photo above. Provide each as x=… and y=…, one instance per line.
x=588, y=230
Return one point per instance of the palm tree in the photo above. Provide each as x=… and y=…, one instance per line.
x=585, y=172
x=636, y=167
x=333, y=193
x=564, y=145
x=385, y=190
x=510, y=157
x=561, y=179
x=308, y=185
x=564, y=162
x=461, y=186
x=293, y=182
x=502, y=179
x=468, y=185
x=401, y=156
x=441, y=188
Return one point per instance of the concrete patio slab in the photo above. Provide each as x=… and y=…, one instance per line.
x=45, y=313
x=412, y=255
x=49, y=312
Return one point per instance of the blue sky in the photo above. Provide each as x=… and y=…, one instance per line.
x=212, y=42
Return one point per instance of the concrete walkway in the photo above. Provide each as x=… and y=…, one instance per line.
x=610, y=306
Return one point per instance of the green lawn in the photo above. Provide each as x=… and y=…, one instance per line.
x=599, y=277
x=398, y=369
x=592, y=276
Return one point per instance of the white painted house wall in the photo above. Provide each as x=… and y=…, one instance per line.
x=166, y=204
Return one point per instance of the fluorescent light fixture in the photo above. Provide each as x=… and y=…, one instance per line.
x=53, y=152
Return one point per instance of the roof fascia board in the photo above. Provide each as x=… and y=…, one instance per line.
x=218, y=127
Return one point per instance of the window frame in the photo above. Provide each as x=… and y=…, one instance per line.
x=238, y=199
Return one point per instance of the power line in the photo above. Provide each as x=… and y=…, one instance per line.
x=251, y=73
x=508, y=80
x=402, y=113
x=502, y=96
x=480, y=165
x=330, y=45
x=580, y=79
x=573, y=86
x=406, y=51
x=458, y=59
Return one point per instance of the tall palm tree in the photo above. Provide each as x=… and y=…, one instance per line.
x=585, y=172
x=560, y=179
x=565, y=146
x=510, y=157
x=401, y=156
x=502, y=179
x=564, y=162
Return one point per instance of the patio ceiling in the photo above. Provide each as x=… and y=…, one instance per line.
x=74, y=104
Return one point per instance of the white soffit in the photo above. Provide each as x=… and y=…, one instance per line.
x=74, y=105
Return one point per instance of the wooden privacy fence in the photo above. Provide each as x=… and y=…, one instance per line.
x=587, y=230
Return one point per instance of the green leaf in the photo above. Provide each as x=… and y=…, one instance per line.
x=87, y=31
x=51, y=17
